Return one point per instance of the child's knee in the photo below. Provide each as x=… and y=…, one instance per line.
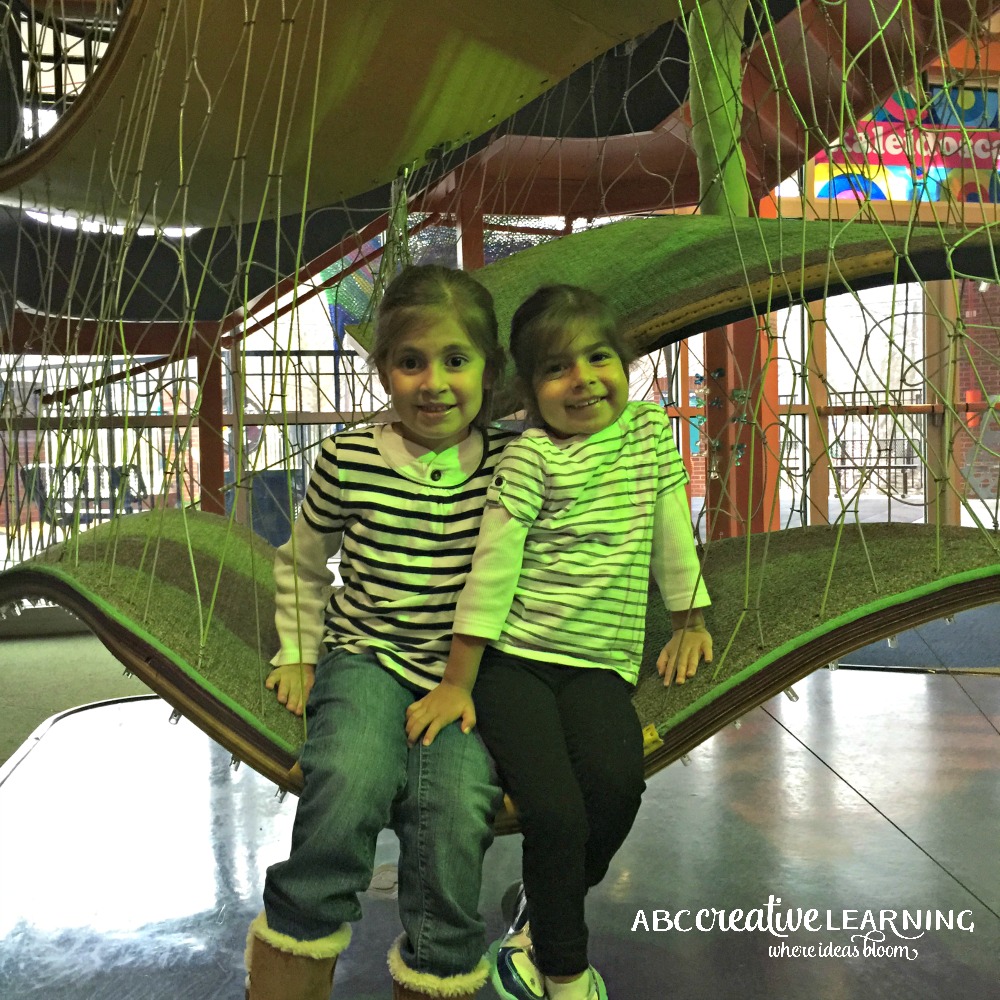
x=559, y=820
x=616, y=793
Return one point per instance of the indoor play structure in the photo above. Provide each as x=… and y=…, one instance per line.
x=719, y=170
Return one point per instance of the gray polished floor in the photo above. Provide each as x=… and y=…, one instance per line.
x=132, y=856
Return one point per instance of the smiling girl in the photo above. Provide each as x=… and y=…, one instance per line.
x=550, y=626
x=402, y=503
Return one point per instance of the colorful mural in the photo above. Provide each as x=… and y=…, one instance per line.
x=945, y=150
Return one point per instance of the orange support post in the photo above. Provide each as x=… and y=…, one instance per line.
x=211, y=442
x=469, y=222
x=972, y=396
x=741, y=397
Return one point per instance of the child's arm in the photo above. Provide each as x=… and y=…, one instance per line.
x=677, y=571
x=452, y=698
x=480, y=616
x=302, y=584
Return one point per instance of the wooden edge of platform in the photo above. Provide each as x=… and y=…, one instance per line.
x=774, y=678
x=164, y=677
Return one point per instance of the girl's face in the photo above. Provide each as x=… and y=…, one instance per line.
x=580, y=386
x=436, y=376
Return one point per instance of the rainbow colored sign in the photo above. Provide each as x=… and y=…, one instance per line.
x=949, y=152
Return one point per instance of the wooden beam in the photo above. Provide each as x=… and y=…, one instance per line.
x=469, y=219
x=817, y=421
x=944, y=477
x=211, y=440
x=742, y=425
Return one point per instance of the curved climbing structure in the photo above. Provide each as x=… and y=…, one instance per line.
x=185, y=600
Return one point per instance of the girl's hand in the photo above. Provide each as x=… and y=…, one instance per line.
x=679, y=658
x=292, y=682
x=442, y=706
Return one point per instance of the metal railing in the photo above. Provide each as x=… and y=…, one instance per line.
x=878, y=452
x=134, y=444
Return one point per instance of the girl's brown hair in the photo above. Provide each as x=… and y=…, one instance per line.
x=545, y=316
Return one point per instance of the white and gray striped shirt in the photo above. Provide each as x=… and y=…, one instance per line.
x=561, y=572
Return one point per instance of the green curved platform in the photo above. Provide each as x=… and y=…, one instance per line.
x=185, y=600
x=250, y=122
x=790, y=602
x=671, y=276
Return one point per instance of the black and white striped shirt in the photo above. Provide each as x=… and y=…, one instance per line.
x=405, y=522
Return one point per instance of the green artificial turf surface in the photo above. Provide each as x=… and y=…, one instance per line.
x=198, y=589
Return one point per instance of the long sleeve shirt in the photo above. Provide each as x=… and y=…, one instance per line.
x=404, y=521
x=573, y=529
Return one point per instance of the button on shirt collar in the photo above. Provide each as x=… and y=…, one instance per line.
x=447, y=468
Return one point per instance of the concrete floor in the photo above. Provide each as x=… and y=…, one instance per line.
x=132, y=856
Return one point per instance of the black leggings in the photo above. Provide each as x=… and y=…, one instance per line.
x=568, y=748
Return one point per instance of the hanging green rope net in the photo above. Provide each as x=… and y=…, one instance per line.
x=192, y=255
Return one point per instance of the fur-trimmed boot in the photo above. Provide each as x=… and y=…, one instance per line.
x=281, y=968
x=410, y=985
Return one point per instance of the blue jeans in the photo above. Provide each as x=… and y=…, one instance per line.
x=360, y=777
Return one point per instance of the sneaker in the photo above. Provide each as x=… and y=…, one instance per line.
x=514, y=909
x=513, y=972
x=597, y=989
x=513, y=905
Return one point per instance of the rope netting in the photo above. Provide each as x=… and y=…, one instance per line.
x=191, y=254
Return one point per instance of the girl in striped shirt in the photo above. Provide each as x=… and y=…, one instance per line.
x=550, y=625
x=402, y=503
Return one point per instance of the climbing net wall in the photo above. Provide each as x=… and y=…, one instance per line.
x=192, y=251
x=909, y=138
